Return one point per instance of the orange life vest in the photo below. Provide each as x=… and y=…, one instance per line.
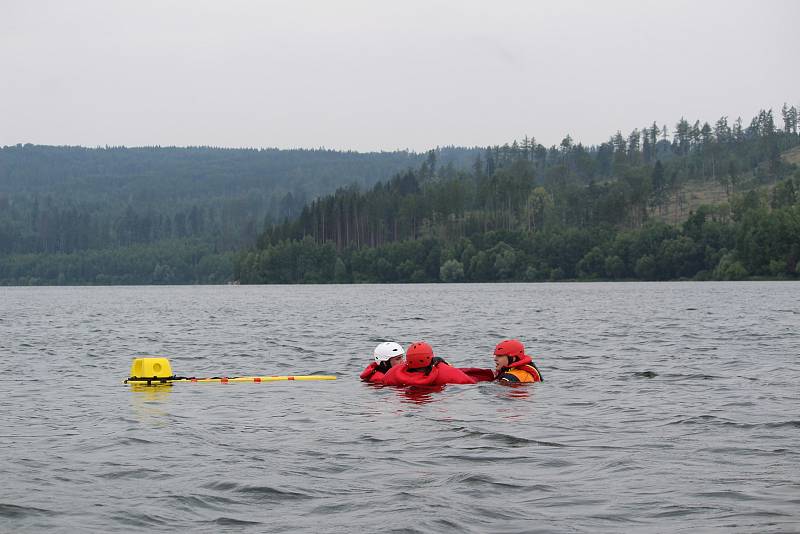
x=522, y=370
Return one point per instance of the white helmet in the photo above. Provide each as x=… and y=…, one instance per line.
x=387, y=350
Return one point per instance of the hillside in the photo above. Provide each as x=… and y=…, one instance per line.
x=520, y=211
x=163, y=214
x=711, y=202
x=72, y=200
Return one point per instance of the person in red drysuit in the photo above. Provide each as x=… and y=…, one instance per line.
x=422, y=368
x=387, y=355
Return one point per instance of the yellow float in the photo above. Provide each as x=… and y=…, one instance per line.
x=153, y=371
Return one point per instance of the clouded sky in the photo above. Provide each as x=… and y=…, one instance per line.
x=383, y=75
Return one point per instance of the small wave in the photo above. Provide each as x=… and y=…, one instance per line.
x=481, y=481
x=728, y=494
x=222, y=486
x=449, y=525
x=15, y=511
x=262, y=492
x=329, y=509
x=141, y=520
x=509, y=440
x=700, y=420
x=680, y=511
x=273, y=493
x=369, y=439
x=696, y=376
x=203, y=501
x=134, y=473
x=782, y=424
x=48, y=436
x=713, y=420
x=232, y=522
x=645, y=374
x=135, y=441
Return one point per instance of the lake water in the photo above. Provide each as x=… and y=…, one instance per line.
x=666, y=407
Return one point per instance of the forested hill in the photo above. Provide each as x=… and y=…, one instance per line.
x=527, y=212
x=150, y=175
x=65, y=199
x=62, y=205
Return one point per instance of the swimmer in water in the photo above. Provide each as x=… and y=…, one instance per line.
x=387, y=355
x=512, y=365
x=422, y=368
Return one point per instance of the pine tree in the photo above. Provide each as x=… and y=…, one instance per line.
x=738, y=132
x=722, y=131
x=633, y=146
x=682, y=136
x=647, y=146
x=705, y=135
x=787, y=121
x=659, y=184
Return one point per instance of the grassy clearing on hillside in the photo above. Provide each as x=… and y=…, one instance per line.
x=695, y=194
x=792, y=155
x=687, y=199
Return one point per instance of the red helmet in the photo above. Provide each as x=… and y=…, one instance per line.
x=418, y=355
x=510, y=347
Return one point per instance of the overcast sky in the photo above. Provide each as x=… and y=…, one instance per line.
x=380, y=75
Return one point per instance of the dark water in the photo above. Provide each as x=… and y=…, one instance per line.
x=665, y=407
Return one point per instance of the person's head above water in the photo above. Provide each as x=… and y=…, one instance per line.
x=388, y=352
x=507, y=352
x=419, y=355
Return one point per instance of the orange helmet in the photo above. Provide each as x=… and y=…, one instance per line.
x=418, y=355
x=510, y=347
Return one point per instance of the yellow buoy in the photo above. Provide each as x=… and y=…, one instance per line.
x=151, y=367
x=157, y=370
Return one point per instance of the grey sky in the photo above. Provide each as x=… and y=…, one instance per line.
x=373, y=75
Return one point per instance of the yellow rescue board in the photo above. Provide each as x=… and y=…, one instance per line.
x=157, y=370
x=231, y=379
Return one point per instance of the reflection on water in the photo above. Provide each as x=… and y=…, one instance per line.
x=427, y=394
x=148, y=402
x=418, y=394
x=515, y=391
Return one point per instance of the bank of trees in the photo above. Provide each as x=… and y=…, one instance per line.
x=520, y=211
x=67, y=199
x=58, y=204
x=526, y=212
x=166, y=262
x=749, y=239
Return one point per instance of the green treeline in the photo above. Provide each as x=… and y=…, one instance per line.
x=521, y=211
x=65, y=199
x=527, y=212
x=179, y=261
x=64, y=206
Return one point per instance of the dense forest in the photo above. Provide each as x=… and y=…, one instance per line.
x=525, y=212
x=162, y=215
x=520, y=211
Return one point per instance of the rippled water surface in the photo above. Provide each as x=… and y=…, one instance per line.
x=665, y=407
